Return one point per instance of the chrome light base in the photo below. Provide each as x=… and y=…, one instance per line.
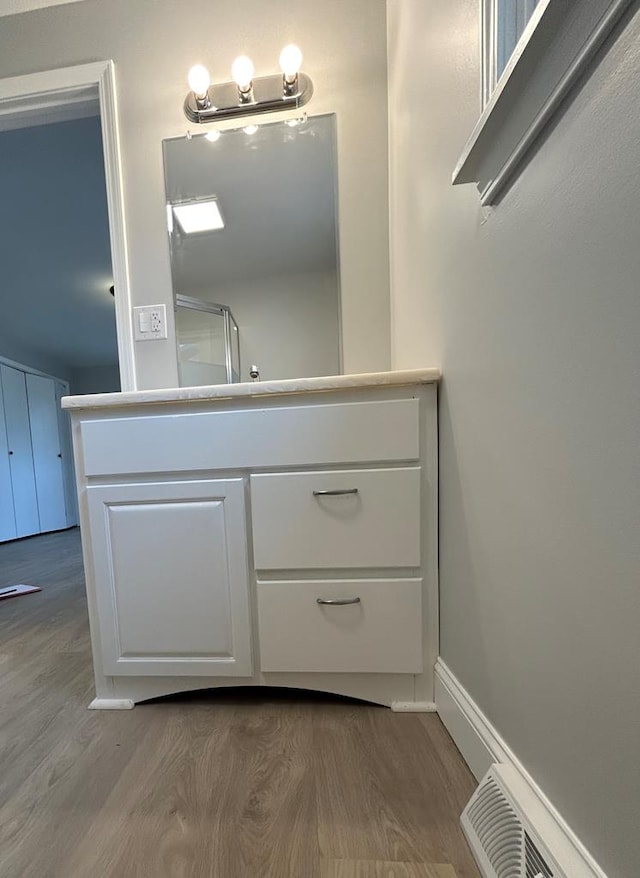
x=270, y=94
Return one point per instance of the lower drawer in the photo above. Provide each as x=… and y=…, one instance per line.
x=377, y=628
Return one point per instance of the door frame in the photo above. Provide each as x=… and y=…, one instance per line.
x=43, y=95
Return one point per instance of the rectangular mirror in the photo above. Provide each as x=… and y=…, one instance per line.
x=252, y=217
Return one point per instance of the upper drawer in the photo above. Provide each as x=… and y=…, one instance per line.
x=374, y=522
x=359, y=432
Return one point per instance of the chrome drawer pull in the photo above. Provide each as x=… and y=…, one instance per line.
x=337, y=492
x=338, y=602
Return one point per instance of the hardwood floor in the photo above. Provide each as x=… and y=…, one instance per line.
x=213, y=785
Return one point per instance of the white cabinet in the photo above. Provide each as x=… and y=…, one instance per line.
x=189, y=588
x=20, y=449
x=66, y=450
x=171, y=578
x=47, y=454
x=36, y=466
x=7, y=515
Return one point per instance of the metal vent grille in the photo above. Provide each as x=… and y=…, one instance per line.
x=497, y=824
x=494, y=828
x=535, y=863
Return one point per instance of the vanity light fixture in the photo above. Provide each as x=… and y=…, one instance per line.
x=199, y=81
x=246, y=95
x=290, y=64
x=198, y=216
x=242, y=71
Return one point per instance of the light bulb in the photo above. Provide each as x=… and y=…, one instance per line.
x=250, y=129
x=212, y=135
x=242, y=72
x=290, y=61
x=199, y=79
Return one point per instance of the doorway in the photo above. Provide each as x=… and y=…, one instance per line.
x=57, y=315
x=63, y=249
x=72, y=93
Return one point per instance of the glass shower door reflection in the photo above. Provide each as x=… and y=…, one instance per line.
x=208, y=344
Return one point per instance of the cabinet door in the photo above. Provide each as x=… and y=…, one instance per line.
x=171, y=578
x=16, y=411
x=47, y=455
x=66, y=449
x=7, y=516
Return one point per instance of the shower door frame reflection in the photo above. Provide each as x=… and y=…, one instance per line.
x=228, y=319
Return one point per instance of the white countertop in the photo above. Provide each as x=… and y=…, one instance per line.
x=251, y=389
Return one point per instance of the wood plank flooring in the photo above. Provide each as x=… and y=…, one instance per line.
x=226, y=784
x=377, y=869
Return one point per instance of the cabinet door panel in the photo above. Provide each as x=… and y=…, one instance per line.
x=25, y=502
x=171, y=578
x=7, y=516
x=47, y=462
x=66, y=448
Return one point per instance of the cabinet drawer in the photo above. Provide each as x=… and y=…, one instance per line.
x=312, y=435
x=380, y=633
x=353, y=518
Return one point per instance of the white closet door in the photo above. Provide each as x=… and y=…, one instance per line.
x=47, y=457
x=16, y=413
x=66, y=448
x=7, y=515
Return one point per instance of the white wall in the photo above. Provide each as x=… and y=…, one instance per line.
x=288, y=325
x=55, y=254
x=89, y=379
x=153, y=46
x=95, y=379
x=27, y=356
x=533, y=310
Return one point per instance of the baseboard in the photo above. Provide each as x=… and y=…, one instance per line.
x=112, y=704
x=481, y=745
x=475, y=737
x=413, y=706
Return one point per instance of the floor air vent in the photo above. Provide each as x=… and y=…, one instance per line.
x=497, y=829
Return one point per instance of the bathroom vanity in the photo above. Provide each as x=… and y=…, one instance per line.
x=277, y=533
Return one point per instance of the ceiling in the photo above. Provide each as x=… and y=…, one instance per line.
x=54, y=243
x=10, y=7
x=277, y=193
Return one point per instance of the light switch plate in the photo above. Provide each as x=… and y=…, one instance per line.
x=149, y=322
